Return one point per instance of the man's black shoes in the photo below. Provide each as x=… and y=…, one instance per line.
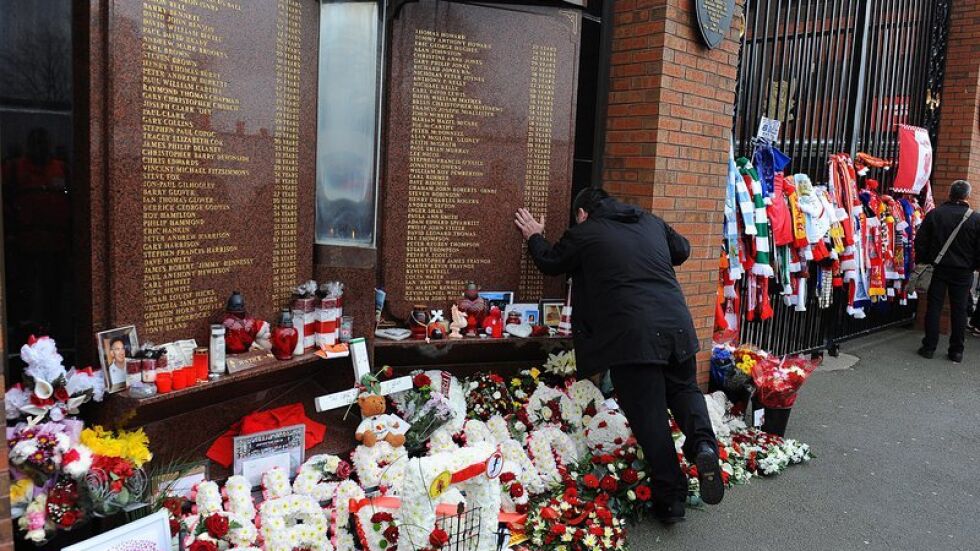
x=669, y=513
x=956, y=357
x=926, y=353
x=709, y=475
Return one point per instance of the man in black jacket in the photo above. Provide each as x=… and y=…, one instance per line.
x=954, y=273
x=630, y=316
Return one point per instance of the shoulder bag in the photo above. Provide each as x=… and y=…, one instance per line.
x=922, y=273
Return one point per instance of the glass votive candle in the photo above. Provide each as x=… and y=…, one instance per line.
x=190, y=373
x=179, y=379
x=201, y=364
x=165, y=382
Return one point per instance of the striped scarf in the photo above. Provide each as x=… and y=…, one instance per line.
x=763, y=258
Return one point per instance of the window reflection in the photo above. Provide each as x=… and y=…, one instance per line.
x=347, y=125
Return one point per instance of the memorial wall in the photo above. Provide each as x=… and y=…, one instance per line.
x=211, y=159
x=481, y=110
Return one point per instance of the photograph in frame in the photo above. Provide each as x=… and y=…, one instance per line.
x=551, y=312
x=115, y=345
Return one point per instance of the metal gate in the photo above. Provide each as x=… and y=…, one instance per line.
x=840, y=75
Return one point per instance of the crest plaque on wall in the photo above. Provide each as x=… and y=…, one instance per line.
x=714, y=19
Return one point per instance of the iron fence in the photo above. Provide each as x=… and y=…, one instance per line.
x=840, y=75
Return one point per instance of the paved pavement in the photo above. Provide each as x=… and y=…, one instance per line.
x=897, y=440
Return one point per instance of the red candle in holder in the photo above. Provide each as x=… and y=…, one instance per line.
x=190, y=373
x=164, y=382
x=180, y=379
x=201, y=364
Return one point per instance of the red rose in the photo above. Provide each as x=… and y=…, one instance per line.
x=174, y=526
x=380, y=517
x=391, y=533
x=591, y=481
x=643, y=493
x=68, y=519
x=388, y=371
x=516, y=491
x=343, y=470
x=608, y=484
x=558, y=529
x=596, y=531
x=607, y=459
x=438, y=538
x=508, y=477
x=630, y=476
x=522, y=508
x=496, y=378
x=116, y=486
x=217, y=525
x=200, y=545
x=421, y=380
x=61, y=394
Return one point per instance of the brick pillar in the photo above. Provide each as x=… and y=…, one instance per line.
x=958, y=152
x=671, y=104
x=957, y=155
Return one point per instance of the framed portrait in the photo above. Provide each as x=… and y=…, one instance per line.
x=551, y=312
x=254, y=454
x=151, y=533
x=529, y=312
x=500, y=299
x=115, y=345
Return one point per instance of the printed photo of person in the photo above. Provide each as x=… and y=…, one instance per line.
x=115, y=345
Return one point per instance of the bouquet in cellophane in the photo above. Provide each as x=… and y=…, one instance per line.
x=778, y=380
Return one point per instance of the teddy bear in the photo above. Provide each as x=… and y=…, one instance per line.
x=376, y=424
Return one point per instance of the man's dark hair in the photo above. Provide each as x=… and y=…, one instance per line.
x=114, y=340
x=588, y=199
x=959, y=191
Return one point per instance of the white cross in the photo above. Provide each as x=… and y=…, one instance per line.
x=362, y=367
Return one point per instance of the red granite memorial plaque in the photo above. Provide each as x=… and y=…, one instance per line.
x=480, y=122
x=211, y=158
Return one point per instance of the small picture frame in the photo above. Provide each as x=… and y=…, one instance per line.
x=500, y=299
x=551, y=312
x=115, y=345
x=528, y=311
x=254, y=454
x=179, y=480
x=150, y=533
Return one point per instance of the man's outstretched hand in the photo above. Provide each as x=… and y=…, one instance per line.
x=527, y=224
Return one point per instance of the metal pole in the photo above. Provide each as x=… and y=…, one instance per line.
x=858, y=99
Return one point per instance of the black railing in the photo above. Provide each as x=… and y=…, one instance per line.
x=840, y=75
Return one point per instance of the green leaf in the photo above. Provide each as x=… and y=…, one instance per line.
x=383, y=544
x=377, y=527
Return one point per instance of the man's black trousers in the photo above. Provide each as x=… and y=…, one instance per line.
x=956, y=284
x=645, y=392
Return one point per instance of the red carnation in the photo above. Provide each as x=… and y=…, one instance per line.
x=607, y=459
x=643, y=493
x=496, y=378
x=603, y=424
x=605, y=516
x=522, y=508
x=608, y=484
x=508, y=477
x=380, y=517
x=558, y=529
x=421, y=380
x=203, y=545
x=630, y=476
x=516, y=491
x=69, y=457
x=174, y=526
x=217, y=525
x=591, y=481
x=68, y=519
x=61, y=394
x=596, y=531
x=438, y=538
x=548, y=513
x=391, y=533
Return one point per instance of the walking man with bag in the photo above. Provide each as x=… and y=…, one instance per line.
x=631, y=317
x=949, y=240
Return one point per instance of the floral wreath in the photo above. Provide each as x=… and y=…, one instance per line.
x=238, y=497
x=205, y=531
x=377, y=528
x=347, y=491
x=588, y=398
x=279, y=531
x=551, y=450
x=608, y=431
x=380, y=465
x=567, y=518
x=320, y=476
x=550, y=406
x=275, y=484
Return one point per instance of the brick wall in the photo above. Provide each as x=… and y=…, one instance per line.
x=671, y=104
x=958, y=152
